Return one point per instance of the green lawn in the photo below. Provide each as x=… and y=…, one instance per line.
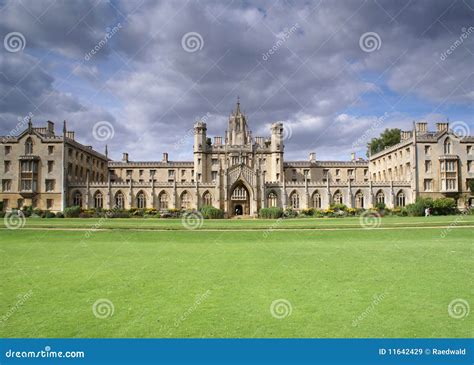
x=245, y=224
x=395, y=282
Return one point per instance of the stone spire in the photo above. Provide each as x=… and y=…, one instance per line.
x=237, y=131
x=237, y=109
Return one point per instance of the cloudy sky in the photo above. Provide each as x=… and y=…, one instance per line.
x=336, y=72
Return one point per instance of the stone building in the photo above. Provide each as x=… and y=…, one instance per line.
x=236, y=172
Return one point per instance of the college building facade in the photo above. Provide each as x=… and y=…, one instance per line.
x=237, y=173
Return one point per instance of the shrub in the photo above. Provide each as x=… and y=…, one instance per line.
x=307, y=212
x=417, y=209
x=59, y=215
x=138, y=213
x=290, y=213
x=72, y=212
x=117, y=213
x=441, y=206
x=2, y=214
x=271, y=213
x=338, y=207
x=444, y=206
x=174, y=213
x=353, y=211
x=27, y=210
x=318, y=213
x=48, y=214
x=380, y=206
x=85, y=214
x=209, y=212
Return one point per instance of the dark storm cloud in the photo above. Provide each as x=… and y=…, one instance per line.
x=313, y=78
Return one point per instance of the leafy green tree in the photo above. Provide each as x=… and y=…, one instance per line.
x=471, y=185
x=389, y=137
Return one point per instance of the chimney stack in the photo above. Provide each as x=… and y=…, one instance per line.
x=217, y=141
x=50, y=127
x=441, y=127
x=421, y=127
x=404, y=135
x=165, y=157
x=312, y=157
x=125, y=157
x=353, y=156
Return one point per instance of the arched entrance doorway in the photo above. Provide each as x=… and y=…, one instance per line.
x=239, y=200
x=239, y=210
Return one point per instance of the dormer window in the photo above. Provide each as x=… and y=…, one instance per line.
x=29, y=146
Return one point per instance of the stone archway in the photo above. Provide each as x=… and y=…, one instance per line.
x=240, y=198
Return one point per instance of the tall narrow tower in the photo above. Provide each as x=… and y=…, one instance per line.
x=200, y=151
x=276, y=149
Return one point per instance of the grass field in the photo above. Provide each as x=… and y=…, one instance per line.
x=162, y=280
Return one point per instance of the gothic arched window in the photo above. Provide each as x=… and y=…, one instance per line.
x=359, y=200
x=401, y=199
x=119, y=200
x=380, y=197
x=207, y=199
x=316, y=200
x=77, y=199
x=163, y=199
x=338, y=197
x=447, y=146
x=141, y=200
x=185, y=200
x=98, y=200
x=272, y=200
x=295, y=200
x=29, y=146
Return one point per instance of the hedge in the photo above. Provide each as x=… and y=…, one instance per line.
x=271, y=213
x=209, y=212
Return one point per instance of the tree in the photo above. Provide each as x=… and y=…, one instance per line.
x=471, y=185
x=389, y=137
